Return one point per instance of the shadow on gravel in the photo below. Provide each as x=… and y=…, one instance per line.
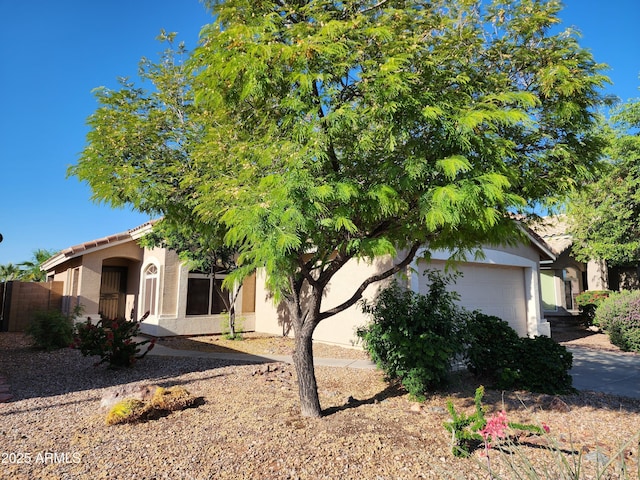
x=33, y=373
x=393, y=390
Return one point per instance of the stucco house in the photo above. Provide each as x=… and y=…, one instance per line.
x=565, y=277
x=114, y=276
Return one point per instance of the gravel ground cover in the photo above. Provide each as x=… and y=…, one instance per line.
x=246, y=424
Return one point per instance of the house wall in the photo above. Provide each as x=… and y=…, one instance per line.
x=172, y=319
x=597, y=275
x=341, y=328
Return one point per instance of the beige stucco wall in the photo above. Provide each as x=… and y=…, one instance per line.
x=127, y=254
x=341, y=328
x=172, y=318
x=597, y=275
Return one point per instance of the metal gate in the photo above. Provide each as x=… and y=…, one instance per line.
x=113, y=289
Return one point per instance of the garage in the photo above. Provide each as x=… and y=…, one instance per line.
x=494, y=290
x=503, y=283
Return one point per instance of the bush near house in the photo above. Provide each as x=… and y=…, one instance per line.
x=497, y=353
x=619, y=316
x=414, y=337
x=51, y=330
x=588, y=303
x=113, y=340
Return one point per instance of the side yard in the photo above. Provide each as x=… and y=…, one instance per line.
x=247, y=426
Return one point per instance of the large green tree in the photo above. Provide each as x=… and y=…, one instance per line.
x=327, y=131
x=605, y=217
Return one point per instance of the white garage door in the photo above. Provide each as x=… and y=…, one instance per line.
x=493, y=290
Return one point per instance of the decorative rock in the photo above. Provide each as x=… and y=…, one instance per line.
x=438, y=410
x=144, y=393
x=558, y=405
x=597, y=457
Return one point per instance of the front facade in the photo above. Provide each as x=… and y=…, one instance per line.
x=115, y=277
x=505, y=282
x=564, y=278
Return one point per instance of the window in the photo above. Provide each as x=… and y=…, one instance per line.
x=202, y=294
x=150, y=289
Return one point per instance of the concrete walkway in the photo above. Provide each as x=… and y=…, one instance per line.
x=607, y=372
x=164, y=351
x=593, y=370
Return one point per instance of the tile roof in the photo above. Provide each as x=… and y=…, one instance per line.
x=555, y=231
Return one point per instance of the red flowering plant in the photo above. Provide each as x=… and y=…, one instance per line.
x=113, y=340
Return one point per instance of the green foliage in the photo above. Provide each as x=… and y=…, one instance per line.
x=9, y=272
x=493, y=347
x=113, y=340
x=129, y=410
x=619, y=316
x=543, y=366
x=415, y=337
x=51, y=330
x=30, y=270
x=606, y=216
x=294, y=104
x=314, y=133
x=496, y=352
x=588, y=302
x=464, y=428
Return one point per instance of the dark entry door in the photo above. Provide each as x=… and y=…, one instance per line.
x=113, y=290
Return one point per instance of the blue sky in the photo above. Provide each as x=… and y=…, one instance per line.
x=53, y=53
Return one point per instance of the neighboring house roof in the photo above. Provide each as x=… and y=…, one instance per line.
x=554, y=231
x=95, y=245
x=540, y=243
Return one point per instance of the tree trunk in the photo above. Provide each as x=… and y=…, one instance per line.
x=307, y=386
x=232, y=321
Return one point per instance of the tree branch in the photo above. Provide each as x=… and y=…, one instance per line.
x=331, y=150
x=374, y=278
x=373, y=7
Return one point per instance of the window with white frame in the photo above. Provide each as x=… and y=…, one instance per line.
x=150, y=289
x=203, y=294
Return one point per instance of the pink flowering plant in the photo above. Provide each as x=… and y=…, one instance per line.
x=470, y=432
x=113, y=340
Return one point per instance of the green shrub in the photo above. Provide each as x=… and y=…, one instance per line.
x=464, y=428
x=496, y=352
x=493, y=348
x=544, y=366
x=588, y=302
x=51, y=330
x=415, y=337
x=112, y=340
x=619, y=316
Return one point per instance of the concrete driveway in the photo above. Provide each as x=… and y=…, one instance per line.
x=608, y=372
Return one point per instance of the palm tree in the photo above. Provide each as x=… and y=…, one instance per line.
x=30, y=270
x=9, y=272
